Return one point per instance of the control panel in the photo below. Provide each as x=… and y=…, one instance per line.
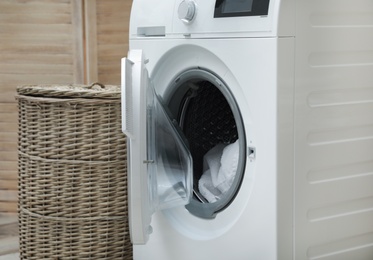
x=212, y=19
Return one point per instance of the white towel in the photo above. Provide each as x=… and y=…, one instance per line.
x=219, y=169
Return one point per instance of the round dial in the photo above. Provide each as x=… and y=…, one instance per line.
x=187, y=11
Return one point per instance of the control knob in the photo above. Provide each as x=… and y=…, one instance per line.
x=187, y=11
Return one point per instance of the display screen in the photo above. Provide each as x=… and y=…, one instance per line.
x=232, y=8
x=236, y=6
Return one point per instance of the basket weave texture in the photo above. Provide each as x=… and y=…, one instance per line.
x=72, y=173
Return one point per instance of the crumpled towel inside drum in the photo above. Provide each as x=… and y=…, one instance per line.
x=219, y=170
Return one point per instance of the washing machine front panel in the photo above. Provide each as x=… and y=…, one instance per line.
x=251, y=216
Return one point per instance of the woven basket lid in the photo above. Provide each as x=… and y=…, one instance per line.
x=96, y=90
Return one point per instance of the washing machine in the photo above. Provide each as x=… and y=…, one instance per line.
x=249, y=129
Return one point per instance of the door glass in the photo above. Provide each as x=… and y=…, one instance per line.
x=170, y=162
x=159, y=163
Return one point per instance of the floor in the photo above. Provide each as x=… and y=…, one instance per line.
x=9, y=245
x=14, y=256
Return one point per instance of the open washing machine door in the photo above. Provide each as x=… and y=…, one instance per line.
x=159, y=162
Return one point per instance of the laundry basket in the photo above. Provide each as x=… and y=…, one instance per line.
x=72, y=173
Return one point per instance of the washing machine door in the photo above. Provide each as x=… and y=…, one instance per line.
x=159, y=161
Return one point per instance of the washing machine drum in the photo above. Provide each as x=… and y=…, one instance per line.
x=210, y=120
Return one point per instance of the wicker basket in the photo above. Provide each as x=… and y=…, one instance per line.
x=72, y=173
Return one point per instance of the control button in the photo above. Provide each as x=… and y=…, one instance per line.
x=149, y=230
x=251, y=152
x=187, y=11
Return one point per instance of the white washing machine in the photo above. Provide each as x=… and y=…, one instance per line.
x=250, y=129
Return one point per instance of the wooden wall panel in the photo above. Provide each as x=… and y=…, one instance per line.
x=50, y=42
x=107, y=28
x=41, y=41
